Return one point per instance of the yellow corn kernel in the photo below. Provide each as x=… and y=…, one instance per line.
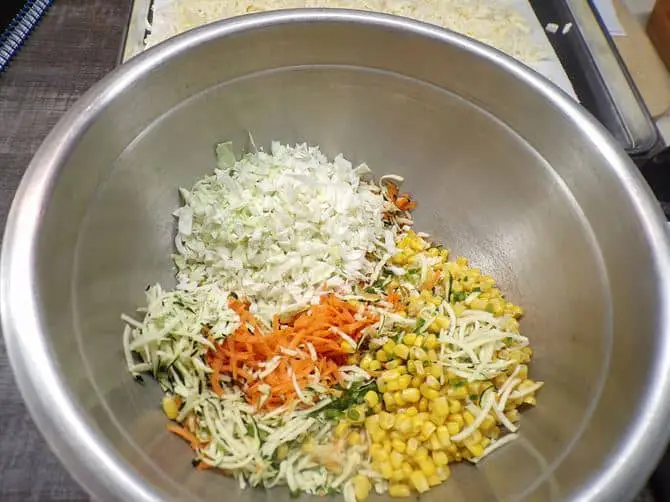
x=385, y=469
x=371, y=398
x=478, y=304
x=362, y=487
x=434, y=442
x=381, y=356
x=365, y=362
x=411, y=395
x=429, y=393
x=440, y=406
x=412, y=446
x=419, y=481
x=409, y=339
x=417, y=423
x=393, y=385
x=399, y=445
x=431, y=341
x=458, y=418
x=530, y=400
x=389, y=402
x=411, y=367
x=386, y=444
x=389, y=347
x=399, y=259
x=423, y=404
x=386, y=420
x=495, y=432
x=440, y=458
x=427, y=466
x=475, y=438
x=378, y=453
x=404, y=381
x=513, y=415
x=459, y=308
x=398, y=490
x=341, y=429
x=418, y=365
x=523, y=372
x=485, y=442
x=477, y=450
x=398, y=476
x=392, y=364
x=468, y=418
x=460, y=392
x=455, y=406
x=170, y=407
x=396, y=459
x=418, y=341
x=487, y=423
x=375, y=365
x=406, y=469
x=421, y=452
x=438, y=419
x=433, y=328
x=377, y=435
x=453, y=428
x=399, y=400
x=416, y=381
x=372, y=422
x=403, y=424
x=347, y=348
x=282, y=452
x=432, y=382
x=307, y=445
x=411, y=411
x=426, y=430
x=443, y=473
x=443, y=435
x=401, y=350
x=435, y=371
x=354, y=439
x=434, y=480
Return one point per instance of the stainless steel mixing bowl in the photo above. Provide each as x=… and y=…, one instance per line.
x=507, y=170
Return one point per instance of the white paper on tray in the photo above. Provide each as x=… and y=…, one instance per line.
x=550, y=66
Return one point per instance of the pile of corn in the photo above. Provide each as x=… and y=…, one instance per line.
x=421, y=419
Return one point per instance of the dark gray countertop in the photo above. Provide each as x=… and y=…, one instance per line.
x=74, y=46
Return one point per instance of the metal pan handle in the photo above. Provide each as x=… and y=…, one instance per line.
x=657, y=173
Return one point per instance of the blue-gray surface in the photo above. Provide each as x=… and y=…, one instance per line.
x=74, y=46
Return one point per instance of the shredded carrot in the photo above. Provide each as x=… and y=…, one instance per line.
x=247, y=352
x=184, y=434
x=401, y=200
x=430, y=281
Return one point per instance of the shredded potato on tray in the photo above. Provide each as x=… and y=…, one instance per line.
x=316, y=340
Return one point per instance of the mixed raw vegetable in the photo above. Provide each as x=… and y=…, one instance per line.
x=315, y=340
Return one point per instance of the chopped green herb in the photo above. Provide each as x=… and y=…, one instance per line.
x=420, y=323
x=370, y=290
x=460, y=296
x=353, y=414
x=458, y=384
x=379, y=284
x=473, y=397
x=476, y=290
x=251, y=430
x=139, y=379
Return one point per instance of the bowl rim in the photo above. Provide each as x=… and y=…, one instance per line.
x=93, y=462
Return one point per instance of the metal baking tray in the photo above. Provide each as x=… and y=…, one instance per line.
x=587, y=53
x=598, y=75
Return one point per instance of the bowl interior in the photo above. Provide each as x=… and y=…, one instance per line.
x=501, y=175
